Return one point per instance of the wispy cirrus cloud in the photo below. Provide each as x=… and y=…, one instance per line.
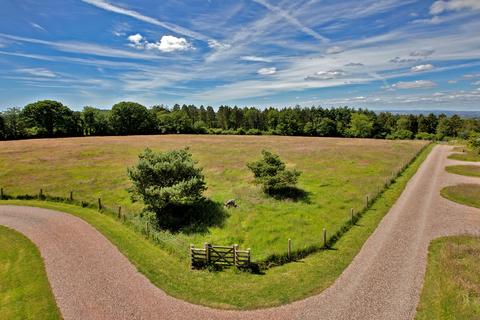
x=417, y=84
x=137, y=15
x=40, y=72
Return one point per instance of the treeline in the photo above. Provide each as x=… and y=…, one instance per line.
x=52, y=119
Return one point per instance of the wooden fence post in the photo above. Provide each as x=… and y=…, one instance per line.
x=99, y=204
x=40, y=195
x=235, y=258
x=367, y=201
x=324, y=237
x=206, y=245
x=119, y=212
x=248, y=255
x=351, y=215
x=191, y=255
x=71, y=195
x=1, y=193
x=289, y=250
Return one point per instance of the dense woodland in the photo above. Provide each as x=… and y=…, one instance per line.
x=52, y=119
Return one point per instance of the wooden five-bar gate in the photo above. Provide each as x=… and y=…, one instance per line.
x=224, y=256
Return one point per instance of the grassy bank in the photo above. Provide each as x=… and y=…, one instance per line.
x=452, y=285
x=466, y=170
x=24, y=289
x=468, y=194
x=277, y=286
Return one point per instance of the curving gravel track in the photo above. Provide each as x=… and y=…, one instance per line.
x=91, y=279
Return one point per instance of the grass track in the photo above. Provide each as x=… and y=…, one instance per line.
x=467, y=194
x=24, y=289
x=278, y=286
x=452, y=283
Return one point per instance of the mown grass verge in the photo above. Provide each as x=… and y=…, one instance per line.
x=452, y=286
x=279, y=285
x=24, y=289
x=468, y=194
x=465, y=170
x=465, y=155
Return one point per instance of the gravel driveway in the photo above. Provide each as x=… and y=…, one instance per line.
x=91, y=279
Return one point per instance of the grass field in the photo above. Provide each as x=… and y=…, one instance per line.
x=465, y=154
x=277, y=286
x=337, y=175
x=468, y=194
x=24, y=289
x=452, y=285
x=466, y=170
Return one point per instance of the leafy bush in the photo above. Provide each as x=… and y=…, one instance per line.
x=167, y=182
x=400, y=135
x=474, y=141
x=272, y=174
x=425, y=136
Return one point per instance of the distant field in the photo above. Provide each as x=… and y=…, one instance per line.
x=337, y=174
x=452, y=284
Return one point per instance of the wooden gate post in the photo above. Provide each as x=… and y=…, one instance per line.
x=235, y=257
x=366, y=201
x=40, y=195
x=1, y=193
x=99, y=204
x=206, y=245
x=119, y=212
x=71, y=195
x=351, y=216
x=191, y=255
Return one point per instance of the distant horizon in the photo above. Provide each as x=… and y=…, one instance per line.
x=407, y=55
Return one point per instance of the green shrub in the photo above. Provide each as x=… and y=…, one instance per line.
x=425, y=136
x=400, y=135
x=167, y=182
x=272, y=174
x=474, y=141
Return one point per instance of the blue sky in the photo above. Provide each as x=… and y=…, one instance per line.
x=380, y=54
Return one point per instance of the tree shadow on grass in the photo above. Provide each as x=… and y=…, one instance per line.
x=290, y=193
x=195, y=217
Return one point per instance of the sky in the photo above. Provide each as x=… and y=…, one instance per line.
x=375, y=54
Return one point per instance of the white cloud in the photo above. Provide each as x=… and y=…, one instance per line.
x=326, y=75
x=335, y=50
x=439, y=7
x=452, y=81
x=136, y=39
x=255, y=59
x=422, y=67
x=422, y=53
x=476, y=83
x=166, y=43
x=37, y=26
x=402, y=60
x=217, y=45
x=267, y=71
x=414, y=84
x=39, y=72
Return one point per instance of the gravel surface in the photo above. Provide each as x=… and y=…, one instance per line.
x=91, y=279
